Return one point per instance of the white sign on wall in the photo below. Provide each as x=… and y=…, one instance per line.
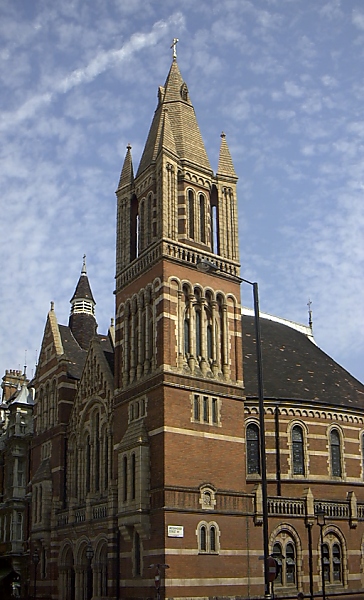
x=175, y=531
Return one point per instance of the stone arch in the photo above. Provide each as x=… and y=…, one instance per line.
x=67, y=572
x=329, y=532
x=287, y=529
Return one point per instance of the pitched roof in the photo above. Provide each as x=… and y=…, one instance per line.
x=23, y=395
x=72, y=352
x=295, y=368
x=183, y=123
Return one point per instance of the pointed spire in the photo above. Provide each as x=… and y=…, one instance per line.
x=83, y=289
x=226, y=166
x=127, y=172
x=183, y=124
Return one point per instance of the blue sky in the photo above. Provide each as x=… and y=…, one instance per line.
x=284, y=80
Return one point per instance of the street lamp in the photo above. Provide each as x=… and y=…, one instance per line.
x=206, y=266
x=157, y=577
x=35, y=559
x=89, y=556
x=320, y=513
x=263, y=463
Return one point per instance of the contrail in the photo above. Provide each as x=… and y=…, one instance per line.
x=99, y=64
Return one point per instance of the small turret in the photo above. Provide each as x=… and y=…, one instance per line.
x=82, y=320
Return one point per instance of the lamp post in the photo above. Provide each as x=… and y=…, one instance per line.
x=320, y=513
x=206, y=266
x=35, y=559
x=89, y=556
x=263, y=463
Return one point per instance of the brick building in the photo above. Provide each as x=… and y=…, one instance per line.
x=16, y=430
x=155, y=461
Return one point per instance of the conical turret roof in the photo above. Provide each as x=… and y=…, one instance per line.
x=82, y=321
x=183, y=124
x=83, y=288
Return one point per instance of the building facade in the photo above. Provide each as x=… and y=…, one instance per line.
x=145, y=463
x=16, y=430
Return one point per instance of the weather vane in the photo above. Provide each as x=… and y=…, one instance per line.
x=174, y=46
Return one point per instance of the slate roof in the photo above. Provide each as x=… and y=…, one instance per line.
x=295, y=368
x=73, y=352
x=108, y=351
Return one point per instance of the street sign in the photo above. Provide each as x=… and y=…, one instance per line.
x=272, y=568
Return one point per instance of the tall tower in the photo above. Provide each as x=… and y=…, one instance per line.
x=178, y=371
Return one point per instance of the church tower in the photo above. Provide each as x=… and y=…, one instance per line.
x=178, y=348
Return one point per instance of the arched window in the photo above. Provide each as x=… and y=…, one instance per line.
x=133, y=476
x=209, y=341
x=335, y=447
x=149, y=220
x=253, y=449
x=97, y=452
x=106, y=455
x=326, y=561
x=40, y=407
x=203, y=539
x=208, y=538
x=198, y=333
x=212, y=539
x=298, y=458
x=40, y=503
x=336, y=563
x=191, y=214
x=277, y=554
x=125, y=478
x=290, y=564
x=187, y=334
x=88, y=465
x=284, y=551
x=332, y=559
x=46, y=407
x=202, y=219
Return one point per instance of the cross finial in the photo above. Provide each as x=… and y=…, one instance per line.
x=174, y=46
x=84, y=271
x=309, y=313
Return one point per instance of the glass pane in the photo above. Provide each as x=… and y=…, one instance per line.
x=297, y=451
x=336, y=461
x=212, y=539
x=252, y=448
x=203, y=539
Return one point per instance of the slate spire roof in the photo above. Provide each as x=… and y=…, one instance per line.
x=83, y=288
x=182, y=125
